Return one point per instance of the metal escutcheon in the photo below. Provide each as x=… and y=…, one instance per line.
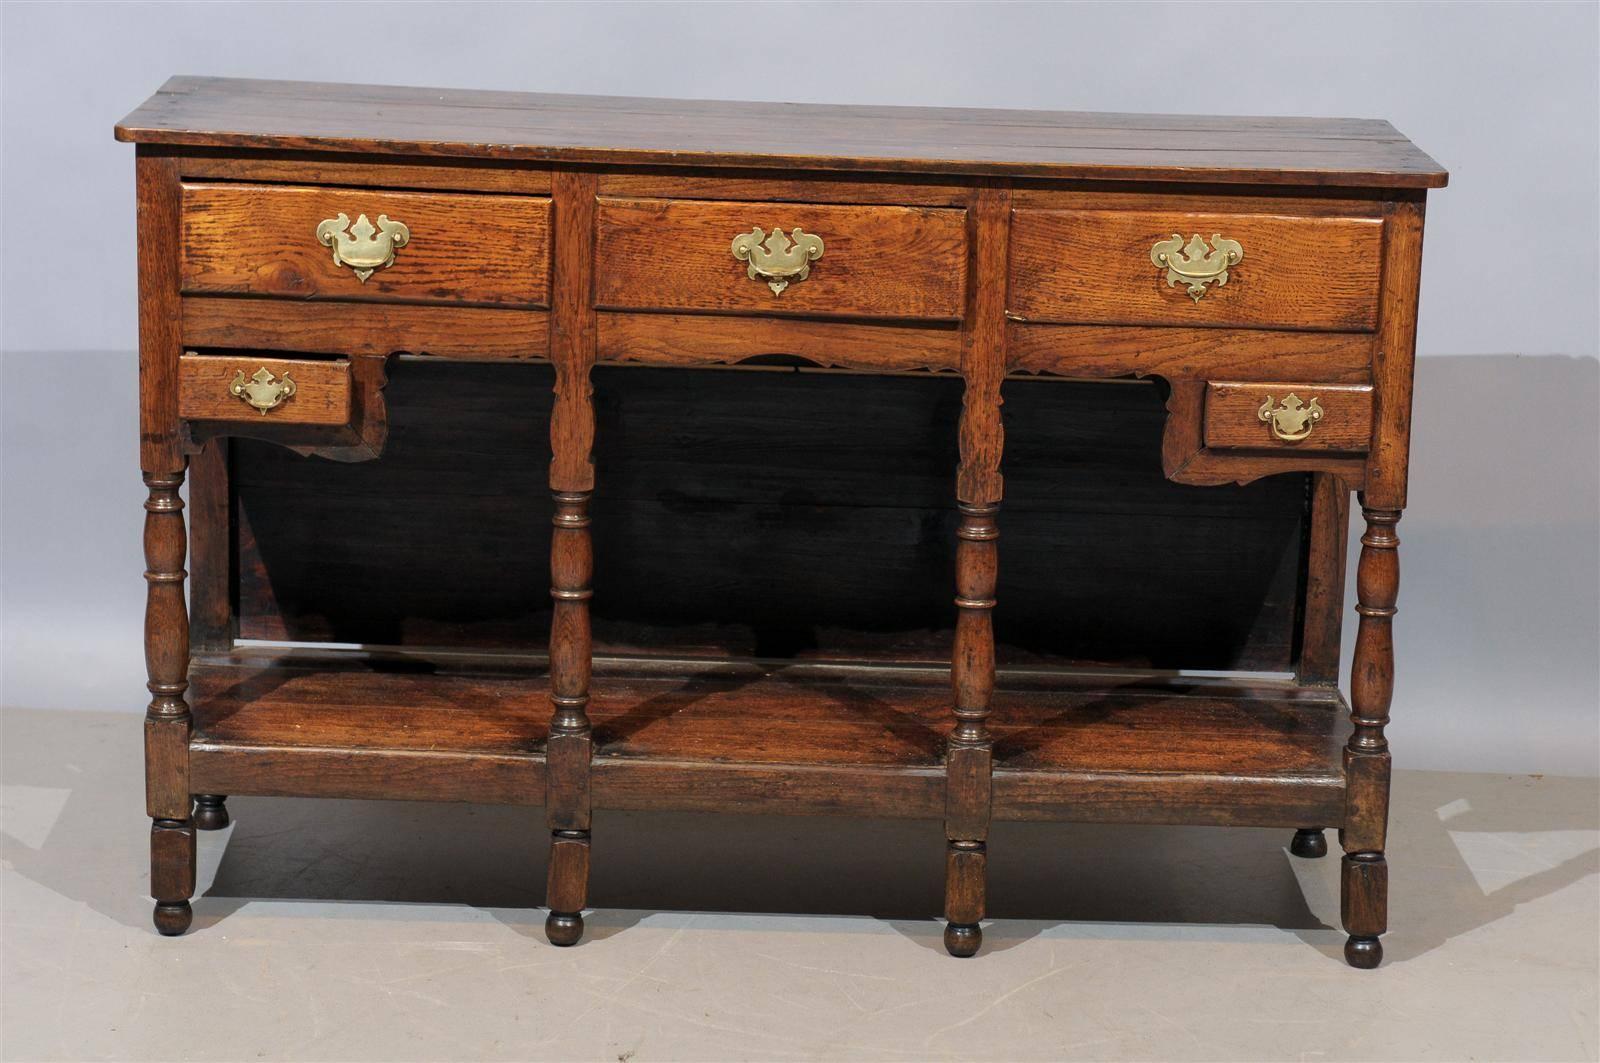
x=1196, y=265
x=775, y=258
x=1291, y=420
x=363, y=247
x=261, y=391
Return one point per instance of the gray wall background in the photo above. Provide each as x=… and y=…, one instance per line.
x=1499, y=630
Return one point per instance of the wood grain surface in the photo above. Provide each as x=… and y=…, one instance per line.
x=893, y=262
x=261, y=240
x=853, y=740
x=468, y=332
x=1186, y=459
x=321, y=395
x=1232, y=416
x=365, y=171
x=688, y=340
x=1189, y=353
x=291, y=115
x=1094, y=267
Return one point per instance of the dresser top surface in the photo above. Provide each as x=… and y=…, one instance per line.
x=599, y=130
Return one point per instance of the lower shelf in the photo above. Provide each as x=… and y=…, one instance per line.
x=763, y=737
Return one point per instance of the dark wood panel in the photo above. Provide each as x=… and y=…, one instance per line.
x=1225, y=800
x=444, y=540
x=772, y=789
x=224, y=112
x=1327, y=546
x=827, y=498
x=212, y=581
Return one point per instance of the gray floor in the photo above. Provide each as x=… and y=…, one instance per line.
x=355, y=930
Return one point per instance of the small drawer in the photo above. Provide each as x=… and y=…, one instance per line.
x=1127, y=267
x=1335, y=417
x=263, y=390
x=848, y=261
x=354, y=243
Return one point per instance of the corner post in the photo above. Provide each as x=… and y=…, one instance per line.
x=1364, y=887
x=166, y=616
x=1364, y=881
x=570, y=746
x=969, y=758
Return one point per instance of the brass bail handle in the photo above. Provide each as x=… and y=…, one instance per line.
x=1195, y=264
x=363, y=247
x=775, y=258
x=261, y=391
x=1291, y=420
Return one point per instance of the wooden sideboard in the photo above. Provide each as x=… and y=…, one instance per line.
x=410, y=347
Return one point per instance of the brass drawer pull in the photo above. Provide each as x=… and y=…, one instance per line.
x=1292, y=420
x=788, y=258
x=261, y=392
x=1197, y=265
x=361, y=247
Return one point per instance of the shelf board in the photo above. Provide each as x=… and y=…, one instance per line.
x=768, y=736
x=1170, y=750
x=771, y=737
x=336, y=723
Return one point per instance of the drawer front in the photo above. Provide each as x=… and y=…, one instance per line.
x=391, y=246
x=1335, y=417
x=1099, y=267
x=865, y=261
x=263, y=390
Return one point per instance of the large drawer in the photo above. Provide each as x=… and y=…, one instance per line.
x=1137, y=267
x=848, y=261
x=351, y=243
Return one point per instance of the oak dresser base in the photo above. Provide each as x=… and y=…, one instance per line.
x=651, y=455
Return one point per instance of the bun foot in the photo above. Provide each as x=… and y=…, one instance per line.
x=563, y=928
x=173, y=917
x=210, y=812
x=962, y=939
x=1309, y=843
x=1364, y=953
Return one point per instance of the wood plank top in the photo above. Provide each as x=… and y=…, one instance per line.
x=613, y=130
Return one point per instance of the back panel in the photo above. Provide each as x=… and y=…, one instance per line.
x=769, y=513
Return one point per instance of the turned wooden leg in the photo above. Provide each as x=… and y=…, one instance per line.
x=567, y=757
x=567, y=887
x=968, y=760
x=167, y=720
x=979, y=489
x=572, y=427
x=210, y=811
x=1364, y=884
x=1309, y=843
